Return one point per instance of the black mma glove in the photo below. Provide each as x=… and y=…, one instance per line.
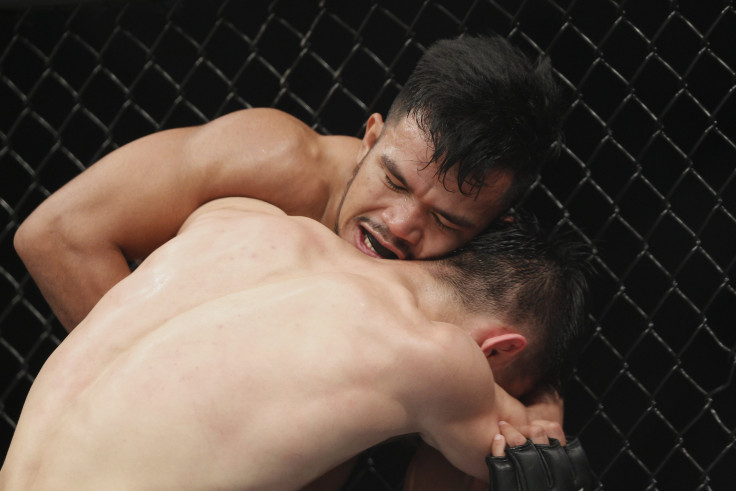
x=531, y=467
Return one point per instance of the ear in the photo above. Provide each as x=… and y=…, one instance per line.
x=503, y=348
x=373, y=129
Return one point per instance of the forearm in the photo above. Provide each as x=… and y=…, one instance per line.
x=76, y=243
x=538, y=422
x=71, y=279
x=466, y=444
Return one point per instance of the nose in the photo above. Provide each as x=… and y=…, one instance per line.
x=405, y=221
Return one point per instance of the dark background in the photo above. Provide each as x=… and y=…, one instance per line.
x=647, y=174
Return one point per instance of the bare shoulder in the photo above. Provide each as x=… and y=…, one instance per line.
x=454, y=352
x=273, y=156
x=275, y=130
x=258, y=226
x=265, y=131
x=229, y=208
x=452, y=376
x=260, y=116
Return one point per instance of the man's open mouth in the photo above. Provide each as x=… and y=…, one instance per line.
x=370, y=241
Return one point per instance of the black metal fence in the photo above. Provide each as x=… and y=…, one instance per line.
x=648, y=172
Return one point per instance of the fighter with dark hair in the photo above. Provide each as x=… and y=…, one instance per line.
x=466, y=136
x=485, y=108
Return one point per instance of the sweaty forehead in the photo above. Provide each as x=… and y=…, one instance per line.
x=493, y=186
x=473, y=209
x=409, y=146
x=484, y=200
x=405, y=139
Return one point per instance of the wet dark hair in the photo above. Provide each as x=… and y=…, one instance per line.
x=537, y=281
x=485, y=107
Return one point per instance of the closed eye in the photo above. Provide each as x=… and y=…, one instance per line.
x=392, y=185
x=400, y=189
x=442, y=225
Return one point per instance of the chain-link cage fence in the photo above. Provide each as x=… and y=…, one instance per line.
x=647, y=173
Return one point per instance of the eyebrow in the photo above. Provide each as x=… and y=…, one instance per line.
x=393, y=168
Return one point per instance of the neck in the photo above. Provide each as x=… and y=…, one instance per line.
x=434, y=297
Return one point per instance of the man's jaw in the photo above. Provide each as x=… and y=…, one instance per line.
x=371, y=245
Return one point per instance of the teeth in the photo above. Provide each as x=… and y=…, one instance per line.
x=378, y=248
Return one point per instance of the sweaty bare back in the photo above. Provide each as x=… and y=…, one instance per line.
x=261, y=318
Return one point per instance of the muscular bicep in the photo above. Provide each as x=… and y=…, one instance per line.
x=139, y=196
x=78, y=242
x=465, y=443
x=458, y=409
x=136, y=197
x=458, y=401
x=464, y=433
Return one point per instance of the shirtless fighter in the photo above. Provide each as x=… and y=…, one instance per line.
x=255, y=351
x=462, y=141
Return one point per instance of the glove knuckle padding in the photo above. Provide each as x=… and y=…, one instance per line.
x=502, y=474
x=579, y=463
x=559, y=466
x=531, y=467
x=527, y=466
